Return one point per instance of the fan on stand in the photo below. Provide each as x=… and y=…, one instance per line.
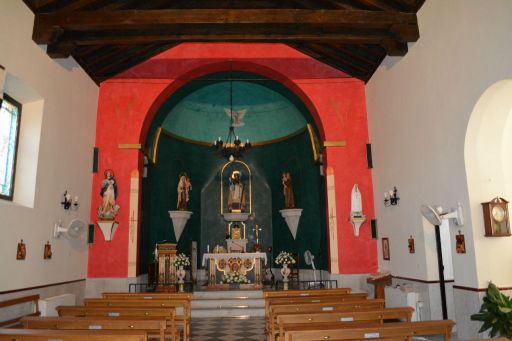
x=74, y=230
x=435, y=216
x=310, y=260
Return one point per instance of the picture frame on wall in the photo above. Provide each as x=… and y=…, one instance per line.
x=385, y=249
x=460, y=244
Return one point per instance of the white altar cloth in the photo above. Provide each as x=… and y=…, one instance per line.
x=226, y=256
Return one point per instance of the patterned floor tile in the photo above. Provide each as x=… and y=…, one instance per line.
x=226, y=329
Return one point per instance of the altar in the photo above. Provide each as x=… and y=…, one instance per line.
x=245, y=263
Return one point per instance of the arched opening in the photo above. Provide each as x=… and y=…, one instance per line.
x=488, y=147
x=179, y=138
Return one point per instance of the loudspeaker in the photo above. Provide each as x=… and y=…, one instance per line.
x=90, y=235
x=369, y=155
x=374, y=228
x=95, y=160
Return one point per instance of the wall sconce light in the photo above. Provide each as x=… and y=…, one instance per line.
x=391, y=198
x=67, y=203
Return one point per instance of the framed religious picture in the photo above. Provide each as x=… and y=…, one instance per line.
x=460, y=244
x=410, y=244
x=21, y=251
x=47, y=251
x=385, y=249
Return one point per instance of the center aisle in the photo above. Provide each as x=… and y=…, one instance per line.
x=228, y=329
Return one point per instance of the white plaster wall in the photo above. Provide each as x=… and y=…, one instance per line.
x=64, y=156
x=418, y=109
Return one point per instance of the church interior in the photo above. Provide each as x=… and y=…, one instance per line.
x=208, y=151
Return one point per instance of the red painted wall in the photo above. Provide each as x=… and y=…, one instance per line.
x=129, y=101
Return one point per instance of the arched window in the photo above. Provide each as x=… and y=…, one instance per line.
x=10, y=117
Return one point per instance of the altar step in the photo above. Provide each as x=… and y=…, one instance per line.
x=233, y=304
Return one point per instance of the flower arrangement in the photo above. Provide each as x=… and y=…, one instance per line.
x=284, y=258
x=235, y=277
x=182, y=260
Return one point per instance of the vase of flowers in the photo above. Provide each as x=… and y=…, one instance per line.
x=234, y=279
x=181, y=262
x=285, y=258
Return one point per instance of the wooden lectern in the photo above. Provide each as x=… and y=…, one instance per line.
x=166, y=268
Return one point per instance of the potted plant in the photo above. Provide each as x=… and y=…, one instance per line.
x=285, y=258
x=495, y=313
x=182, y=260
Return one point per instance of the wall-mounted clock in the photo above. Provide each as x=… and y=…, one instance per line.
x=496, y=218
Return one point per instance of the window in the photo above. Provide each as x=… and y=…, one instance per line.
x=10, y=117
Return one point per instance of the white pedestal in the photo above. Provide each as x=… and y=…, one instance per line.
x=237, y=245
x=235, y=216
x=356, y=223
x=179, y=220
x=109, y=228
x=292, y=217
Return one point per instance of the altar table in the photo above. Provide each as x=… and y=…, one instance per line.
x=234, y=262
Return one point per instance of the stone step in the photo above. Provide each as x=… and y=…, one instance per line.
x=238, y=294
x=233, y=313
x=233, y=304
x=221, y=303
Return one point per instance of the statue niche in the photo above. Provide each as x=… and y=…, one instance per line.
x=236, y=187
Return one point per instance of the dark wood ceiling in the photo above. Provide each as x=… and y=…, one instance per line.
x=107, y=37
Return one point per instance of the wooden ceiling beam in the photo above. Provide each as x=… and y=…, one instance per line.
x=46, y=24
x=77, y=5
x=344, y=38
x=395, y=48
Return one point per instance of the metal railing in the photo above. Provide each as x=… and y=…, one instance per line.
x=153, y=287
x=305, y=285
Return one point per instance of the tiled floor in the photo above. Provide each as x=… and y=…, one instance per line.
x=228, y=329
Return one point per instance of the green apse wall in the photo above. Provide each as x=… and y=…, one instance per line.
x=294, y=155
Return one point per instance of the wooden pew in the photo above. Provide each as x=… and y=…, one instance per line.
x=147, y=295
x=181, y=318
x=149, y=325
x=395, y=330
x=289, y=322
x=281, y=309
x=71, y=335
x=82, y=311
x=18, y=301
x=308, y=292
x=313, y=299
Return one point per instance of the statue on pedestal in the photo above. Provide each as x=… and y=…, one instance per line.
x=289, y=201
x=236, y=198
x=108, y=208
x=184, y=186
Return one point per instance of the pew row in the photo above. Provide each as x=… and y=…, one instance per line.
x=71, y=335
x=149, y=325
x=147, y=295
x=313, y=299
x=394, y=330
x=182, y=307
x=281, y=309
x=308, y=292
x=326, y=320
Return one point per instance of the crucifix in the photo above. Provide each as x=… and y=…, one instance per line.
x=257, y=230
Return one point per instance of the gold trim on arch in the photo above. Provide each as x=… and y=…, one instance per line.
x=315, y=145
x=222, y=184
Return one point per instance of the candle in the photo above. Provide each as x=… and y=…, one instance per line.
x=207, y=248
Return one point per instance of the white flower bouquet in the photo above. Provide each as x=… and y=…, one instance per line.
x=284, y=258
x=182, y=260
x=235, y=277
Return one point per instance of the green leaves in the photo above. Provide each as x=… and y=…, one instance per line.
x=495, y=313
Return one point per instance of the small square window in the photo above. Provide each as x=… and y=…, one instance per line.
x=10, y=117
